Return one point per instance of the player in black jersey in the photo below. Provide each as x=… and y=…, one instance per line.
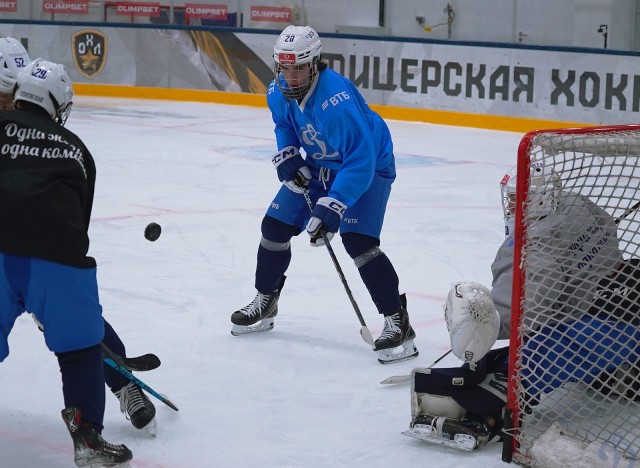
x=47, y=178
x=137, y=407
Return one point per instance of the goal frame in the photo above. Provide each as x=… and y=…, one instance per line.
x=512, y=414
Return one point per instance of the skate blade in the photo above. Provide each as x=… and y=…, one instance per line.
x=427, y=434
x=263, y=325
x=152, y=427
x=390, y=356
x=110, y=465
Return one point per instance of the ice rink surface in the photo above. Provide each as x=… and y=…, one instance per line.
x=306, y=394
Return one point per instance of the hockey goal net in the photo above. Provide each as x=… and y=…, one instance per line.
x=562, y=408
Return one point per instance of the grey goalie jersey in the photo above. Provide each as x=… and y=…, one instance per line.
x=568, y=252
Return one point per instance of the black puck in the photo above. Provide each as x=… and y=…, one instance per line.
x=152, y=232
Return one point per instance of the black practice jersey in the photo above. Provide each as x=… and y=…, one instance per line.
x=47, y=179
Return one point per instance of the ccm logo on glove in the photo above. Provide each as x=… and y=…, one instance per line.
x=291, y=169
x=284, y=154
x=326, y=214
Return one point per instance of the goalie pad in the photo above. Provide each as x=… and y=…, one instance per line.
x=481, y=392
x=450, y=406
x=472, y=320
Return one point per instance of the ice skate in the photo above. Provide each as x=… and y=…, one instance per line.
x=395, y=343
x=90, y=449
x=137, y=407
x=465, y=434
x=258, y=315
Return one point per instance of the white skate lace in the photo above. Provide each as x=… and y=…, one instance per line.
x=130, y=399
x=390, y=327
x=437, y=424
x=257, y=306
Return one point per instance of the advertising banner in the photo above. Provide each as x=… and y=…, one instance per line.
x=569, y=85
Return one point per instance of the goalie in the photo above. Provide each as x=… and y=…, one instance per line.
x=462, y=407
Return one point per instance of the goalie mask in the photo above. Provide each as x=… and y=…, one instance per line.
x=47, y=85
x=13, y=59
x=544, y=189
x=297, y=55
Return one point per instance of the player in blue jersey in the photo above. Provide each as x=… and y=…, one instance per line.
x=347, y=168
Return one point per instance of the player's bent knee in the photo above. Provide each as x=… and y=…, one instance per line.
x=276, y=231
x=359, y=244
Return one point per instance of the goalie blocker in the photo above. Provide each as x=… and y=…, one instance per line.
x=460, y=407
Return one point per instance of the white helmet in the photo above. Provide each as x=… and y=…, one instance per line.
x=13, y=59
x=544, y=189
x=47, y=85
x=297, y=45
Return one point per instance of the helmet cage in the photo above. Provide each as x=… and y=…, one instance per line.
x=296, y=54
x=544, y=190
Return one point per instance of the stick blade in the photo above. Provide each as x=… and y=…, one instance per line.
x=367, y=337
x=396, y=379
x=168, y=402
x=145, y=362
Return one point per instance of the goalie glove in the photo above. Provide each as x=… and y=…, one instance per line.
x=291, y=169
x=472, y=320
x=326, y=216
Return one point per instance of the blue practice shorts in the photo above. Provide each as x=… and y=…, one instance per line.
x=364, y=217
x=64, y=300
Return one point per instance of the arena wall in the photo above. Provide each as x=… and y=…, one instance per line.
x=486, y=85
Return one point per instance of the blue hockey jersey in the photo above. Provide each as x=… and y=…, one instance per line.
x=337, y=130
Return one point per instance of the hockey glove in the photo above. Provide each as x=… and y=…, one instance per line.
x=325, y=217
x=291, y=168
x=472, y=320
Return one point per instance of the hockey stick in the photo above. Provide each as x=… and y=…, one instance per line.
x=145, y=362
x=627, y=212
x=111, y=361
x=364, y=331
x=398, y=379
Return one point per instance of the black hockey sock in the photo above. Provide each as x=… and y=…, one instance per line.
x=274, y=253
x=111, y=340
x=83, y=383
x=382, y=282
x=270, y=269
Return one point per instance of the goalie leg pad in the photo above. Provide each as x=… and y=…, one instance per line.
x=449, y=406
x=481, y=392
x=439, y=405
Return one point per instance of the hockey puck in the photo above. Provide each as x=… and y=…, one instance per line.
x=152, y=232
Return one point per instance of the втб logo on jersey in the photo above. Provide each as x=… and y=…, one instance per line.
x=312, y=138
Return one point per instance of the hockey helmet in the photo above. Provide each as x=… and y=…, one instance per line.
x=544, y=190
x=297, y=55
x=47, y=85
x=13, y=59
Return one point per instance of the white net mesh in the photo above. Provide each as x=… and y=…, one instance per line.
x=579, y=324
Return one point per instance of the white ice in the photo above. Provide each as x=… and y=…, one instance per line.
x=306, y=394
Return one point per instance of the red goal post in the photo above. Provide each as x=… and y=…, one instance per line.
x=577, y=421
